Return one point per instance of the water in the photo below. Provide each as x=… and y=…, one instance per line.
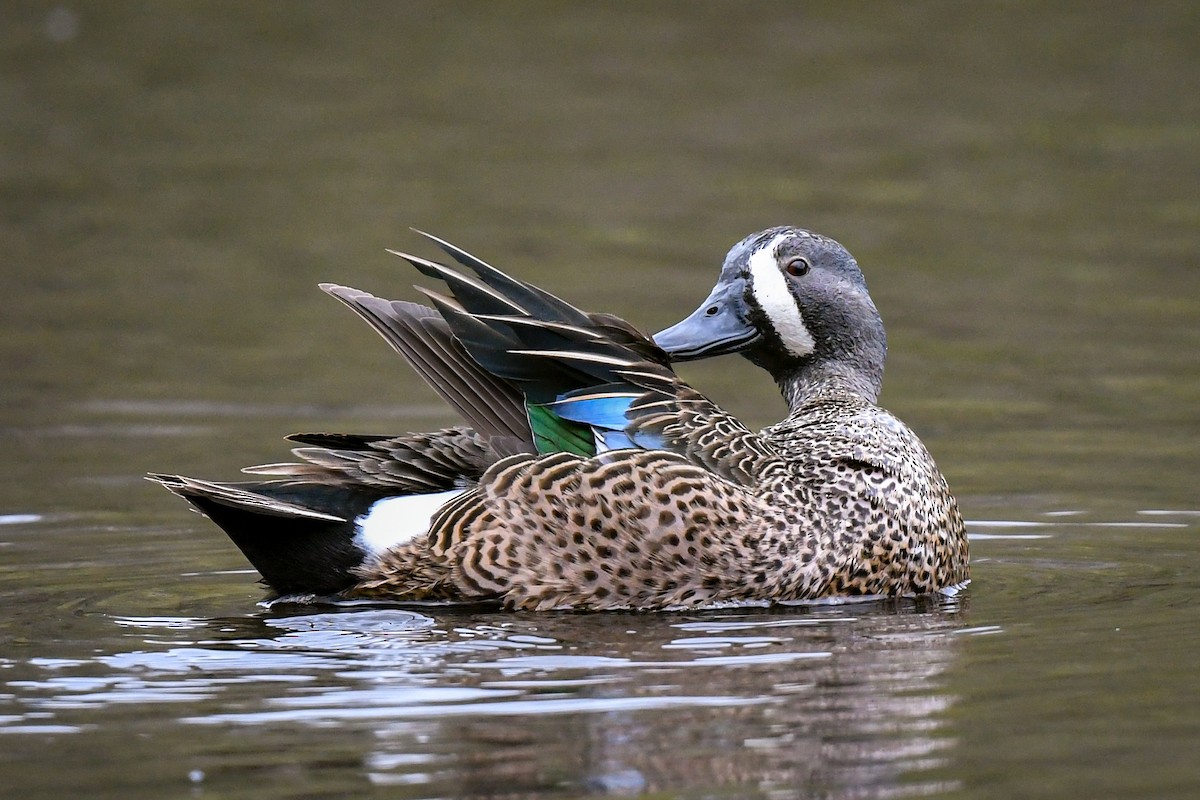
x=1017, y=181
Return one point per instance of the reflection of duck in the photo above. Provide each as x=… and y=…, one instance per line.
x=593, y=477
x=833, y=701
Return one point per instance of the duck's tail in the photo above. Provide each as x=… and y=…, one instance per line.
x=307, y=538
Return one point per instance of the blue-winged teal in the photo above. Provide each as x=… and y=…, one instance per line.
x=590, y=476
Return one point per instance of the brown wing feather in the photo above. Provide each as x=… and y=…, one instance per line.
x=415, y=462
x=490, y=405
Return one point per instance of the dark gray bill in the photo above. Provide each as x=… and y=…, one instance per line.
x=717, y=327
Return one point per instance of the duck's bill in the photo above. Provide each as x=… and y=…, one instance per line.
x=717, y=327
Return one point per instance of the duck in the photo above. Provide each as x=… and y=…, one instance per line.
x=587, y=475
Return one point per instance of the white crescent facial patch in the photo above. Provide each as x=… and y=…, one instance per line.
x=770, y=290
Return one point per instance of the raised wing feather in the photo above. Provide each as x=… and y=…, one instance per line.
x=492, y=406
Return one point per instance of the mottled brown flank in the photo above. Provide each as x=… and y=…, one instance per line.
x=840, y=498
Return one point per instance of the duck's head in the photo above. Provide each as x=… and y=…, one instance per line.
x=795, y=303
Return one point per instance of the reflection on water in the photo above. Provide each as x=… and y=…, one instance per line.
x=837, y=700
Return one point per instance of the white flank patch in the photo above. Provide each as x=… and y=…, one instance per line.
x=395, y=520
x=775, y=299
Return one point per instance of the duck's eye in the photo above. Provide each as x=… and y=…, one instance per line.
x=797, y=267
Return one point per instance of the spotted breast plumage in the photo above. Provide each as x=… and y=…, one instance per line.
x=587, y=475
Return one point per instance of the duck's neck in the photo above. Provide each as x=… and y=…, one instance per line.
x=819, y=378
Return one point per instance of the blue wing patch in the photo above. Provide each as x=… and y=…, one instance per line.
x=606, y=413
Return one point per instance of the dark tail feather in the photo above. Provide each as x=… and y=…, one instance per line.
x=299, y=538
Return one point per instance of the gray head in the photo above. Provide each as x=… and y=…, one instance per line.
x=795, y=303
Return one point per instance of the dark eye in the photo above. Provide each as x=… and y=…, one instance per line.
x=797, y=267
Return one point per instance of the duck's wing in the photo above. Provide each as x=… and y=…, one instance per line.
x=591, y=382
x=417, y=462
x=491, y=406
